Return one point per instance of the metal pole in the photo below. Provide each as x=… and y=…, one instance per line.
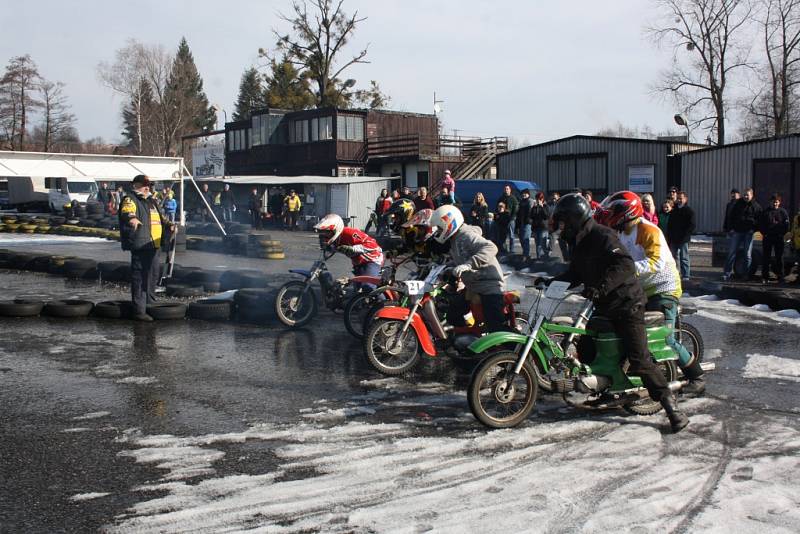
x=203, y=198
x=181, y=205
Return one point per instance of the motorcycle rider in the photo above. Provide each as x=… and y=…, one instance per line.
x=600, y=262
x=360, y=247
x=475, y=260
x=398, y=214
x=655, y=268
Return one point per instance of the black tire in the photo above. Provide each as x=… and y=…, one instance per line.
x=391, y=361
x=690, y=337
x=210, y=310
x=184, y=290
x=11, y=308
x=203, y=277
x=109, y=271
x=253, y=280
x=369, y=317
x=286, y=300
x=355, y=313
x=68, y=308
x=80, y=268
x=113, y=309
x=21, y=260
x=40, y=264
x=162, y=311
x=255, y=305
x=490, y=375
x=648, y=406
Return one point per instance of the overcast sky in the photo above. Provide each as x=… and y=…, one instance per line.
x=536, y=70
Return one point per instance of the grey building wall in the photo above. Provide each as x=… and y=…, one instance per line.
x=597, y=163
x=708, y=175
x=361, y=199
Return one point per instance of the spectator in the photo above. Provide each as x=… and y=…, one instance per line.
x=479, y=213
x=201, y=209
x=293, y=206
x=502, y=226
x=444, y=197
x=383, y=203
x=407, y=193
x=422, y=201
x=726, y=225
x=395, y=195
x=795, y=244
x=663, y=219
x=169, y=205
x=254, y=207
x=555, y=233
x=745, y=216
x=589, y=196
x=450, y=184
x=672, y=194
x=523, y=222
x=228, y=203
x=773, y=225
x=511, y=206
x=275, y=206
x=649, y=209
x=489, y=230
x=540, y=217
x=679, y=233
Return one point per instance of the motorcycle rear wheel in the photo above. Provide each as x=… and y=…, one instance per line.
x=294, y=305
x=356, y=312
x=689, y=336
x=496, y=403
x=381, y=352
x=646, y=405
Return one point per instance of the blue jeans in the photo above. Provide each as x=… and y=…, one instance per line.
x=511, y=229
x=681, y=255
x=525, y=239
x=367, y=269
x=739, y=239
x=542, y=249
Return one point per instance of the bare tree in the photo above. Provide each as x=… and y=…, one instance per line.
x=316, y=43
x=57, y=122
x=18, y=88
x=774, y=104
x=712, y=32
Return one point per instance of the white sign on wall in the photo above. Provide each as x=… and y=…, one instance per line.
x=641, y=178
x=208, y=160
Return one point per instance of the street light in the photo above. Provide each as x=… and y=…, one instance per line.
x=680, y=120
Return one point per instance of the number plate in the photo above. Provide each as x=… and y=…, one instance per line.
x=415, y=287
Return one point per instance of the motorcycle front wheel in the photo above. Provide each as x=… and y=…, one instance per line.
x=390, y=351
x=498, y=398
x=295, y=304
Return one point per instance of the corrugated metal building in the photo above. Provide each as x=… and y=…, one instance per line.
x=766, y=165
x=601, y=164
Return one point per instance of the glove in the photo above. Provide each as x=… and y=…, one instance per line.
x=459, y=270
x=358, y=249
x=590, y=293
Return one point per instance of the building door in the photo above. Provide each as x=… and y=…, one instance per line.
x=422, y=179
x=777, y=176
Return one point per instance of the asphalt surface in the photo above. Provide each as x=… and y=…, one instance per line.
x=72, y=390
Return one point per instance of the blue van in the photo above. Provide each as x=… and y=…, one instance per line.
x=492, y=190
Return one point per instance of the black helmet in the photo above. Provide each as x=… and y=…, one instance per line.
x=573, y=210
x=399, y=213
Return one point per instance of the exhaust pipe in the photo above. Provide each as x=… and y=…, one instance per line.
x=675, y=385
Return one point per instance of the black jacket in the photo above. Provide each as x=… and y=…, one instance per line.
x=524, y=211
x=727, y=225
x=227, y=199
x=254, y=203
x=481, y=213
x=774, y=222
x=745, y=216
x=512, y=204
x=601, y=262
x=540, y=216
x=139, y=239
x=680, y=226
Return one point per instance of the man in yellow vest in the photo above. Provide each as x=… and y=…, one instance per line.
x=142, y=229
x=293, y=206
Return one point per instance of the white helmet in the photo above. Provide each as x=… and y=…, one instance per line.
x=446, y=220
x=329, y=228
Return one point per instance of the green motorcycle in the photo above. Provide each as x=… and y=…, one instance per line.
x=503, y=389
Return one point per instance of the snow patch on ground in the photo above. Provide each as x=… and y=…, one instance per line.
x=702, y=239
x=761, y=307
x=92, y=415
x=38, y=239
x=768, y=366
x=712, y=354
x=87, y=496
x=75, y=430
x=790, y=313
x=137, y=380
x=603, y=472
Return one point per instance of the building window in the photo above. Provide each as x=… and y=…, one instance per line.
x=249, y=137
x=350, y=128
x=256, y=129
x=314, y=129
x=325, y=128
x=231, y=134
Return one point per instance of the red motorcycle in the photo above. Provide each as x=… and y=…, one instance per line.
x=396, y=338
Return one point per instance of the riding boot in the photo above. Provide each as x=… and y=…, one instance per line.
x=697, y=381
x=677, y=420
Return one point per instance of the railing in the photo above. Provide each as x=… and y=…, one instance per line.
x=416, y=145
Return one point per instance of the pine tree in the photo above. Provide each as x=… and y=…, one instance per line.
x=286, y=89
x=251, y=95
x=185, y=108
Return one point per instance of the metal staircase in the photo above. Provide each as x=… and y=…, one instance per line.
x=479, y=157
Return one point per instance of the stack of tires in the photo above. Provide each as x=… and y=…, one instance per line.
x=261, y=246
x=242, y=278
x=114, y=271
x=56, y=264
x=210, y=280
x=123, y=309
x=235, y=244
x=211, y=310
x=255, y=305
x=80, y=268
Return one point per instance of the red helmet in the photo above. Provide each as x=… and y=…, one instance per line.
x=618, y=209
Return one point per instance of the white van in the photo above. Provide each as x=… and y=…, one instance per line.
x=43, y=192
x=71, y=189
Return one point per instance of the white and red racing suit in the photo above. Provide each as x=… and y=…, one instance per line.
x=366, y=248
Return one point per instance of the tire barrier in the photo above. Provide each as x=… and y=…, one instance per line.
x=210, y=310
x=184, y=290
x=163, y=311
x=80, y=268
x=255, y=305
x=113, y=309
x=68, y=308
x=21, y=308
